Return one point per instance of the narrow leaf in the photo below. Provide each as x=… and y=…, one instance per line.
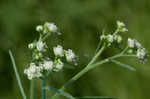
x=123, y=65
x=17, y=75
x=60, y=92
x=95, y=97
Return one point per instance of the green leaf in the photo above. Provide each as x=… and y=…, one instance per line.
x=95, y=97
x=17, y=75
x=60, y=92
x=123, y=65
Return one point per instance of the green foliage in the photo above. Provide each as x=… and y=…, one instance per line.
x=80, y=22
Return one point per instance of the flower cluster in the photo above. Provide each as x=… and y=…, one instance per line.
x=41, y=65
x=136, y=48
x=115, y=37
x=47, y=28
x=121, y=27
x=68, y=54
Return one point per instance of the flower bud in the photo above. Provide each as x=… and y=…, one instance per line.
x=70, y=55
x=39, y=28
x=40, y=46
x=131, y=43
x=121, y=27
x=31, y=46
x=50, y=27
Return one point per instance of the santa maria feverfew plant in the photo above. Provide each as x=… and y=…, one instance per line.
x=43, y=65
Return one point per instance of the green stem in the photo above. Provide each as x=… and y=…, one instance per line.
x=89, y=67
x=44, y=89
x=32, y=89
x=17, y=75
x=86, y=69
x=97, y=55
x=45, y=37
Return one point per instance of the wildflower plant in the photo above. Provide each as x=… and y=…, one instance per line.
x=42, y=65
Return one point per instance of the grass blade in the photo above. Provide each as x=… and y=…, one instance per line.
x=123, y=65
x=65, y=94
x=95, y=97
x=17, y=75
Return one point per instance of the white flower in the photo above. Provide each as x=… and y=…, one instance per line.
x=70, y=55
x=33, y=71
x=58, y=51
x=58, y=65
x=141, y=54
x=120, y=24
x=47, y=65
x=39, y=28
x=137, y=44
x=110, y=38
x=50, y=27
x=31, y=45
x=40, y=46
x=118, y=38
x=131, y=43
x=121, y=27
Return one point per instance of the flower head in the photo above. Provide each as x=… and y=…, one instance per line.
x=31, y=46
x=33, y=71
x=121, y=27
x=40, y=46
x=118, y=38
x=58, y=65
x=110, y=38
x=131, y=43
x=39, y=28
x=137, y=44
x=58, y=51
x=142, y=54
x=47, y=65
x=70, y=55
x=50, y=27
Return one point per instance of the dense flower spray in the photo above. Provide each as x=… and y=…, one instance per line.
x=41, y=65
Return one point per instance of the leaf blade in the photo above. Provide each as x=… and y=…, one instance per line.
x=124, y=65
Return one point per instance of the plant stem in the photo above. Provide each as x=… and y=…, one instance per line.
x=17, y=75
x=45, y=37
x=86, y=69
x=97, y=55
x=32, y=89
x=44, y=89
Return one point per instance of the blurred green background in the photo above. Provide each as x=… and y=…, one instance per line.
x=80, y=21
